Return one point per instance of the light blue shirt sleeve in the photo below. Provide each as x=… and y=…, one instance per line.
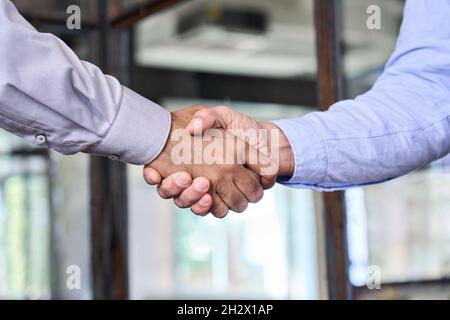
x=401, y=124
x=51, y=98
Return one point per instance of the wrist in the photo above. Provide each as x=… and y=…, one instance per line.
x=286, y=157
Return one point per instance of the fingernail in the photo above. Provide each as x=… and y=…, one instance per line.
x=201, y=185
x=204, y=201
x=191, y=125
x=195, y=125
x=182, y=181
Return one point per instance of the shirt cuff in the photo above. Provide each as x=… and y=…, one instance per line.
x=139, y=132
x=309, y=152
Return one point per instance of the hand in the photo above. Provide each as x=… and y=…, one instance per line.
x=184, y=191
x=230, y=185
x=261, y=137
x=226, y=118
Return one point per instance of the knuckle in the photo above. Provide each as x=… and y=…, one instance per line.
x=199, y=212
x=239, y=204
x=189, y=197
x=259, y=194
x=251, y=191
x=220, y=212
x=167, y=186
x=256, y=194
x=268, y=181
x=215, y=181
x=162, y=194
x=180, y=203
x=222, y=108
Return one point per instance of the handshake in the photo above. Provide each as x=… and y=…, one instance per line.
x=216, y=160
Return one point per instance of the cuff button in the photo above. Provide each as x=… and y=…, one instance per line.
x=113, y=157
x=41, y=139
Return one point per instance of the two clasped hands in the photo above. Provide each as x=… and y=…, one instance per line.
x=216, y=160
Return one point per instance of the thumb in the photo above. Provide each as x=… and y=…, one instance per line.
x=209, y=118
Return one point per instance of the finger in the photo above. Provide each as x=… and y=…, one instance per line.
x=266, y=179
x=203, y=206
x=249, y=185
x=231, y=196
x=151, y=176
x=219, y=209
x=216, y=117
x=265, y=166
x=193, y=193
x=174, y=185
x=268, y=182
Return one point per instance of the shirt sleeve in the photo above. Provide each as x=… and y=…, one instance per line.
x=401, y=124
x=50, y=97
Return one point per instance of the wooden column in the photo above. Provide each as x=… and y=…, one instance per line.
x=109, y=215
x=327, y=16
x=109, y=223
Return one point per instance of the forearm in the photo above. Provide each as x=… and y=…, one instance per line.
x=401, y=124
x=46, y=91
x=339, y=149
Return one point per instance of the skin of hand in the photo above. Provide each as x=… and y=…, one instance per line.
x=219, y=117
x=217, y=187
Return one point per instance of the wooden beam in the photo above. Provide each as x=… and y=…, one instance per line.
x=37, y=18
x=327, y=15
x=141, y=11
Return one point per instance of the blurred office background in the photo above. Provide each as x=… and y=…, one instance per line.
x=257, y=56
